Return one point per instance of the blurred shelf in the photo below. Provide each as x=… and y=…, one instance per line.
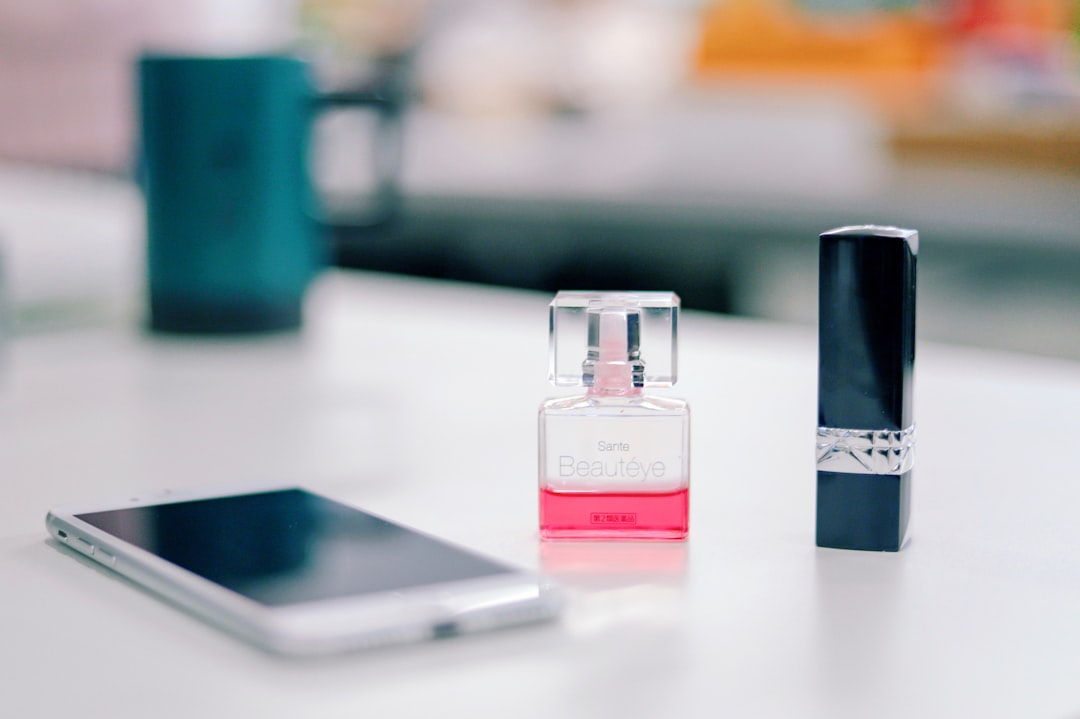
x=999, y=239
x=1051, y=144
x=775, y=168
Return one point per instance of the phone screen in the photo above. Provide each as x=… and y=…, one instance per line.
x=291, y=546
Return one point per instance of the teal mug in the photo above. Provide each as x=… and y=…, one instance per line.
x=233, y=235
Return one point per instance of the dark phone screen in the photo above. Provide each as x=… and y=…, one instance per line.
x=290, y=546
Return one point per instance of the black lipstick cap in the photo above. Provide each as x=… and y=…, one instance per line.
x=866, y=357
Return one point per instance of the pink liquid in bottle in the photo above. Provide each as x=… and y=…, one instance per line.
x=614, y=515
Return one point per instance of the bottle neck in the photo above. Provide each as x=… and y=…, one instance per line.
x=614, y=379
x=614, y=392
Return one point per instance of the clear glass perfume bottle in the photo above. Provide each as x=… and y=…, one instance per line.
x=614, y=462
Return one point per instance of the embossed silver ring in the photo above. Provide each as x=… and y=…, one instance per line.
x=865, y=451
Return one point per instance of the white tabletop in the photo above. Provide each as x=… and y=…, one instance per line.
x=417, y=400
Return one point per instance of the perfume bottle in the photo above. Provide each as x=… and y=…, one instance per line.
x=614, y=462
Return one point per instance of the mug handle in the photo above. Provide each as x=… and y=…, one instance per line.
x=387, y=97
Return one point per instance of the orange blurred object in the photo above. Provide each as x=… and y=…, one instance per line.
x=890, y=57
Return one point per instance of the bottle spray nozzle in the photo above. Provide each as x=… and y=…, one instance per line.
x=614, y=359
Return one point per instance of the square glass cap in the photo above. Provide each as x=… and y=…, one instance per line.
x=613, y=337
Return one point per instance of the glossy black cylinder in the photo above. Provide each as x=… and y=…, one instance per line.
x=866, y=358
x=866, y=327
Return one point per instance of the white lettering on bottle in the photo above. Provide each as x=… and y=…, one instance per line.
x=621, y=468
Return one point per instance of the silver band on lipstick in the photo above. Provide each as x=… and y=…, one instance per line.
x=865, y=451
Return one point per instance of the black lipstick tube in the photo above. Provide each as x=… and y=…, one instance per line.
x=866, y=358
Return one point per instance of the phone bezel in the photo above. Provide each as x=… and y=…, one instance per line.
x=315, y=627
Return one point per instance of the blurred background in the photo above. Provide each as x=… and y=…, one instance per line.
x=693, y=145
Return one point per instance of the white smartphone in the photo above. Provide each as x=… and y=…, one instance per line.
x=299, y=574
